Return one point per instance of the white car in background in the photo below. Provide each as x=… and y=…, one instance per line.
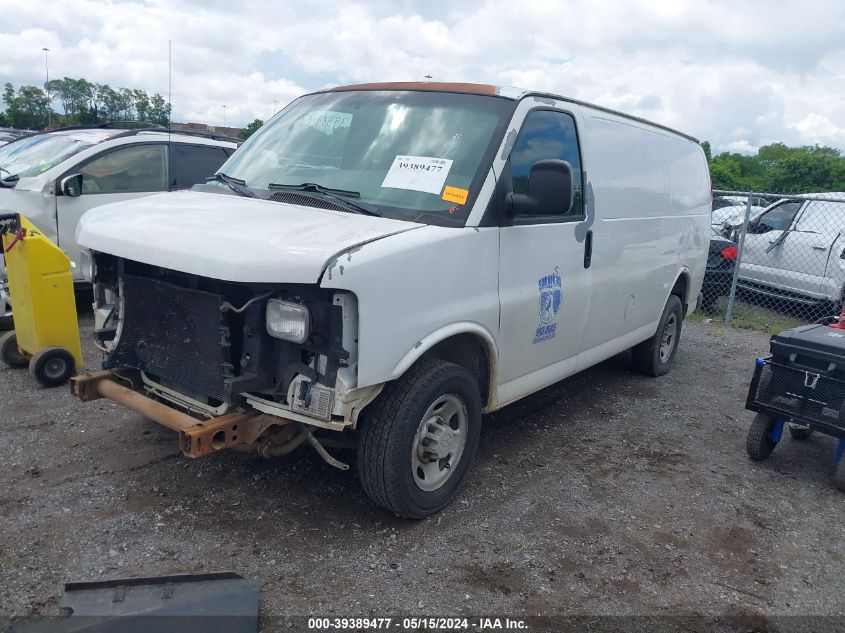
x=795, y=250
x=733, y=215
x=55, y=177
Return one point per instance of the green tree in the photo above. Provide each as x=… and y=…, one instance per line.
x=251, y=129
x=27, y=107
x=159, y=110
x=142, y=104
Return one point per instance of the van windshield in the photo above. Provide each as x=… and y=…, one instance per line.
x=36, y=154
x=412, y=155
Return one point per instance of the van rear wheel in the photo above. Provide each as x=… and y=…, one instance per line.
x=654, y=357
x=418, y=439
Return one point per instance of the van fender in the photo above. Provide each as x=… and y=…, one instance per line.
x=441, y=334
x=686, y=274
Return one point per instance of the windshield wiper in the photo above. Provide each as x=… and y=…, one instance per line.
x=341, y=195
x=235, y=184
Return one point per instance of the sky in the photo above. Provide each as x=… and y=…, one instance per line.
x=739, y=74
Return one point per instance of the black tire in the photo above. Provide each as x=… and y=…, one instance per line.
x=759, y=444
x=52, y=366
x=10, y=353
x=646, y=357
x=839, y=477
x=388, y=438
x=7, y=323
x=800, y=434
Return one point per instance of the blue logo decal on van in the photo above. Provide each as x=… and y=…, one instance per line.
x=551, y=296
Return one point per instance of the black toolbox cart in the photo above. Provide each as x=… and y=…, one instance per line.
x=801, y=384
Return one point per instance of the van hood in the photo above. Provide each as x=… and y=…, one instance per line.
x=230, y=238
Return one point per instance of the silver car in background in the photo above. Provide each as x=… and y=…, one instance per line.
x=795, y=250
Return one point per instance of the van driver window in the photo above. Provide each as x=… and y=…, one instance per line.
x=547, y=135
x=127, y=170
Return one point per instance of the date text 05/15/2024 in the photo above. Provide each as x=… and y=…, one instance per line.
x=417, y=624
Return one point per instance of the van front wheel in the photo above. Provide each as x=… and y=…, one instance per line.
x=418, y=439
x=654, y=357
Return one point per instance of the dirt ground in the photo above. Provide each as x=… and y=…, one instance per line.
x=609, y=493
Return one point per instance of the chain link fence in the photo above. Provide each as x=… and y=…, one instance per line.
x=775, y=260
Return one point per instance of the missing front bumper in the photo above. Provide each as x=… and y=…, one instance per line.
x=196, y=437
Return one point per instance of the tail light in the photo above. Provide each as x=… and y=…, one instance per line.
x=729, y=252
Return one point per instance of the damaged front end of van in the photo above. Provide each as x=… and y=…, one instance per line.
x=225, y=360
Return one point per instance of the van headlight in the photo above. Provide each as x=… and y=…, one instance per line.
x=288, y=321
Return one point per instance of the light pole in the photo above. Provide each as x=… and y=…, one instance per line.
x=46, y=85
x=224, y=116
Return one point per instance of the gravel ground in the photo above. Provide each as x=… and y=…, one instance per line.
x=609, y=493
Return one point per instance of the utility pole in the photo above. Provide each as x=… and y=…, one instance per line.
x=224, y=116
x=46, y=84
x=169, y=82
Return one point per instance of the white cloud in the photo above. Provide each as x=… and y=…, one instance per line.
x=817, y=128
x=742, y=146
x=737, y=74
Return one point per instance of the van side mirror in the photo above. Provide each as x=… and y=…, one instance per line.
x=550, y=190
x=72, y=185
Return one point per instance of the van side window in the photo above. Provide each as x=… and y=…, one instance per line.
x=127, y=170
x=547, y=135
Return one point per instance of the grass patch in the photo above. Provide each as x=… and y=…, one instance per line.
x=747, y=316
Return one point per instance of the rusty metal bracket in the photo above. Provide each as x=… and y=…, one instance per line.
x=196, y=437
x=84, y=386
x=227, y=431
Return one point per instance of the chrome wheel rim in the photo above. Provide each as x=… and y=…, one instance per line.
x=439, y=442
x=54, y=368
x=667, y=341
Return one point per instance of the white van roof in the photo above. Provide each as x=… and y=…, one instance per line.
x=507, y=92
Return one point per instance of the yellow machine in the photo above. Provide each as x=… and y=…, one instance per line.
x=46, y=334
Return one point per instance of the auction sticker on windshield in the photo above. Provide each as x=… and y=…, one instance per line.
x=418, y=173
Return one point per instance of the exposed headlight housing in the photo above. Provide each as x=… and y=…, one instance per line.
x=288, y=321
x=86, y=264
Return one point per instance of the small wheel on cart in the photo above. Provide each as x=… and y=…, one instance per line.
x=759, y=443
x=10, y=353
x=839, y=477
x=800, y=432
x=52, y=366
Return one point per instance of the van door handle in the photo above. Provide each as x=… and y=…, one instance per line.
x=588, y=249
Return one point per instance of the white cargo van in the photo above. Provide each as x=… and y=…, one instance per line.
x=384, y=263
